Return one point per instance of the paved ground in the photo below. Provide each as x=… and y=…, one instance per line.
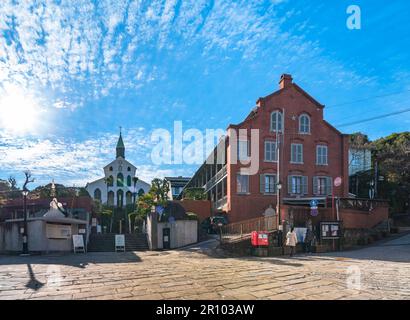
x=377, y=272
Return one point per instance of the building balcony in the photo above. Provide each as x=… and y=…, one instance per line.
x=220, y=203
x=215, y=179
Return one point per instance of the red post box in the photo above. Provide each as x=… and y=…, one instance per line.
x=260, y=238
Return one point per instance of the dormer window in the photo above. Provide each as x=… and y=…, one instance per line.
x=276, y=121
x=304, y=124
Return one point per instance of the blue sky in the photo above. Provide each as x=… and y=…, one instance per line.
x=88, y=67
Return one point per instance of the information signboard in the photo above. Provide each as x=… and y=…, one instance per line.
x=119, y=242
x=330, y=230
x=78, y=243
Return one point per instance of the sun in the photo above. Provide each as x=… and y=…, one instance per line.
x=19, y=112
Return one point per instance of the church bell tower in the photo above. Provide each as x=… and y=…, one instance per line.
x=120, y=147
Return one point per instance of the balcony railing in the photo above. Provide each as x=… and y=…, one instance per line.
x=220, y=203
x=362, y=204
x=216, y=178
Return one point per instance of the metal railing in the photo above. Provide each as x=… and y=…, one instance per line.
x=239, y=230
x=218, y=204
x=216, y=178
x=361, y=203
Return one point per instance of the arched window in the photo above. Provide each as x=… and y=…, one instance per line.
x=276, y=121
x=129, y=169
x=110, y=181
x=141, y=192
x=97, y=194
x=128, y=198
x=129, y=181
x=111, y=168
x=304, y=123
x=120, y=180
x=110, y=200
x=120, y=198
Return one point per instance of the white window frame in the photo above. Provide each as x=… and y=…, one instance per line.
x=241, y=153
x=295, y=186
x=327, y=186
x=319, y=186
x=322, y=158
x=278, y=117
x=273, y=150
x=301, y=188
x=271, y=185
x=302, y=125
x=295, y=153
x=242, y=191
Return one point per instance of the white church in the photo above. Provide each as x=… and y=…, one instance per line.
x=119, y=186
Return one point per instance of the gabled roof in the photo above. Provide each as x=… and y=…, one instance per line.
x=294, y=85
x=255, y=110
x=307, y=95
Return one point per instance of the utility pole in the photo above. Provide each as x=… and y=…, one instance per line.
x=376, y=169
x=25, y=193
x=278, y=178
x=278, y=175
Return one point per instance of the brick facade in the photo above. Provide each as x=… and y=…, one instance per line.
x=202, y=208
x=292, y=102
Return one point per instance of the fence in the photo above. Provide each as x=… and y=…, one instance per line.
x=240, y=230
x=362, y=204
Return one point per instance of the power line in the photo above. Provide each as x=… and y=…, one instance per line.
x=373, y=118
x=368, y=98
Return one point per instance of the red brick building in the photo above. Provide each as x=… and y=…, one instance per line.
x=312, y=153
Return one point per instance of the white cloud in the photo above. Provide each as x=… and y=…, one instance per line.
x=53, y=45
x=68, y=160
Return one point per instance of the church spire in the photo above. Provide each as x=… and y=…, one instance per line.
x=120, y=146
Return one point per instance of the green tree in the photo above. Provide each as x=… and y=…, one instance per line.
x=194, y=194
x=359, y=140
x=144, y=204
x=392, y=154
x=159, y=189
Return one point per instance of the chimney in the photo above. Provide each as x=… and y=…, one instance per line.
x=285, y=81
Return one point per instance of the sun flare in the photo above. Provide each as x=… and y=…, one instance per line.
x=19, y=112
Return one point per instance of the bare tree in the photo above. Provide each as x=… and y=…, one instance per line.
x=13, y=182
x=28, y=179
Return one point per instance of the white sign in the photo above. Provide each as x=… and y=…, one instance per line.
x=94, y=222
x=338, y=182
x=78, y=243
x=119, y=242
x=58, y=231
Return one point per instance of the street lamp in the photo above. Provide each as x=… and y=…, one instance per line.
x=25, y=238
x=279, y=187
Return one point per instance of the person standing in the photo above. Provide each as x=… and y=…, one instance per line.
x=291, y=240
x=308, y=241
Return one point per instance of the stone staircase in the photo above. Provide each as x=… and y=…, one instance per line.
x=106, y=242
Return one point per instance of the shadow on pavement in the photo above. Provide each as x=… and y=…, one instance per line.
x=33, y=283
x=79, y=260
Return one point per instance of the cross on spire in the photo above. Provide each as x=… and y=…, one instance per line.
x=120, y=146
